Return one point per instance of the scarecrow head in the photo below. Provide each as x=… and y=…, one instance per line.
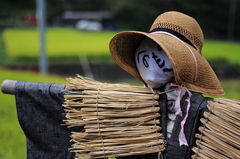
x=153, y=64
x=171, y=50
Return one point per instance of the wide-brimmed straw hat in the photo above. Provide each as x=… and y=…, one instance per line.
x=181, y=37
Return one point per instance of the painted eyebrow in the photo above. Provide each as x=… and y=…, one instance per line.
x=139, y=55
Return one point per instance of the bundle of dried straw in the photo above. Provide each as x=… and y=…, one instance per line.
x=118, y=119
x=220, y=135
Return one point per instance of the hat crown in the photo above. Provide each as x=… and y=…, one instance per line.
x=183, y=24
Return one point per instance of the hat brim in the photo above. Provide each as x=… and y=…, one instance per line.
x=196, y=76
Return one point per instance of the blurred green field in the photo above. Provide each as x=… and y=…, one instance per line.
x=69, y=43
x=12, y=139
x=222, y=52
x=60, y=42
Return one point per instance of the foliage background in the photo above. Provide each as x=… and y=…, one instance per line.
x=214, y=16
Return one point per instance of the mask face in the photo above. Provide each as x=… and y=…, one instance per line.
x=153, y=64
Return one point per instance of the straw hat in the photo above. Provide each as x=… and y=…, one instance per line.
x=182, y=39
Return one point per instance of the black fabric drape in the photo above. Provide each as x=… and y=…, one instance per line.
x=40, y=114
x=198, y=107
x=174, y=150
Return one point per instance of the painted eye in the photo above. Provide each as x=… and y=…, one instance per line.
x=139, y=55
x=145, y=63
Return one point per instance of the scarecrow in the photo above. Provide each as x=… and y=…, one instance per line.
x=168, y=60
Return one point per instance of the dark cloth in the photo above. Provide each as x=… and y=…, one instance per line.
x=198, y=107
x=40, y=114
x=173, y=149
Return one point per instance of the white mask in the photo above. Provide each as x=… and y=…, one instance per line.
x=153, y=64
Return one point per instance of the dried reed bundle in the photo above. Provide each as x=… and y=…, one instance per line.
x=118, y=119
x=220, y=135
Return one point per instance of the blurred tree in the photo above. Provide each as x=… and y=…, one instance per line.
x=213, y=15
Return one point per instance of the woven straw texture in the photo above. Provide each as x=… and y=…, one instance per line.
x=118, y=119
x=196, y=76
x=182, y=24
x=220, y=135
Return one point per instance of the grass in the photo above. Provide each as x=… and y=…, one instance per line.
x=3, y=53
x=222, y=52
x=231, y=88
x=12, y=139
x=60, y=42
x=68, y=44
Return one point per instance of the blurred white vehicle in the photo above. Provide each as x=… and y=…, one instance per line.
x=89, y=25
